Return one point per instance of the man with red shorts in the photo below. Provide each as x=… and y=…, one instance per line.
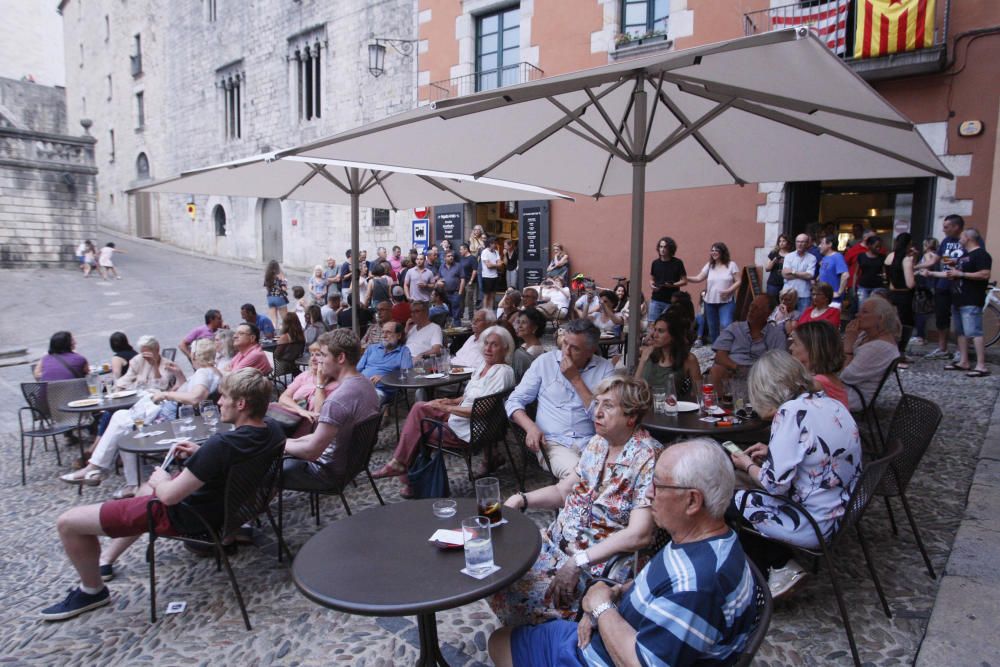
x=245, y=395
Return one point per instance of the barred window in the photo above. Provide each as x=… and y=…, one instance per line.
x=380, y=217
x=230, y=83
x=305, y=57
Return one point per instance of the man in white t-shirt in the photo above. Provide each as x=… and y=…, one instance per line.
x=799, y=270
x=423, y=337
x=489, y=260
x=470, y=355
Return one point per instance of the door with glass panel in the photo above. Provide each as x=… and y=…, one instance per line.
x=498, y=45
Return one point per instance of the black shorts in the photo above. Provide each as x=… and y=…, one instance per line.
x=489, y=285
x=942, y=309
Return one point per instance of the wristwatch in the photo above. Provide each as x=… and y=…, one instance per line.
x=600, y=609
x=581, y=559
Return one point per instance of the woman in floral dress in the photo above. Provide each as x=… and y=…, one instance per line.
x=813, y=457
x=603, y=508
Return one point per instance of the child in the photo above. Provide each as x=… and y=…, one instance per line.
x=301, y=301
x=104, y=263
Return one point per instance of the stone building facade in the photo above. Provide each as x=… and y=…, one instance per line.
x=47, y=178
x=174, y=86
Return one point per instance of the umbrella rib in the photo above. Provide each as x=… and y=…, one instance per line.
x=604, y=143
x=322, y=171
x=377, y=177
x=610, y=150
x=607, y=162
x=780, y=101
x=367, y=185
x=705, y=146
x=441, y=186
x=542, y=136
x=308, y=177
x=682, y=133
x=607, y=119
x=652, y=113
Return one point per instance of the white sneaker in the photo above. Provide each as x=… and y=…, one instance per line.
x=917, y=341
x=783, y=579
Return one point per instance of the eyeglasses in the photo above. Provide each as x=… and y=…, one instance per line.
x=657, y=485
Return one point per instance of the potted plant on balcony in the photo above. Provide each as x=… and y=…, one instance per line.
x=627, y=40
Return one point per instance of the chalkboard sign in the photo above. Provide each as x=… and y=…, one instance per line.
x=531, y=223
x=448, y=223
x=749, y=290
x=533, y=276
x=752, y=278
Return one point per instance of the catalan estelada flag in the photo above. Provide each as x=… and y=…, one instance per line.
x=893, y=26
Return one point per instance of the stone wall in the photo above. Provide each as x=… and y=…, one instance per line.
x=26, y=105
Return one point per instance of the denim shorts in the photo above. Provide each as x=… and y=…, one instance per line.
x=967, y=321
x=552, y=644
x=276, y=302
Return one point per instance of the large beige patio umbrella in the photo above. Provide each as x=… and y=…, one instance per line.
x=773, y=107
x=343, y=182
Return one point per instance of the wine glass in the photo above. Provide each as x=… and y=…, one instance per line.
x=210, y=413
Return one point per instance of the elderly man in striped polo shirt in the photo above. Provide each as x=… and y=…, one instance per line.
x=693, y=603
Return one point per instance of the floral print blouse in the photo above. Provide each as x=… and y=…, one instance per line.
x=814, y=458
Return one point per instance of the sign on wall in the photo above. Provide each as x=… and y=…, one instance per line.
x=449, y=222
x=420, y=239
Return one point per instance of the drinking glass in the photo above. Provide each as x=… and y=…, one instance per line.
x=186, y=414
x=178, y=428
x=139, y=422
x=210, y=413
x=478, y=544
x=660, y=399
x=488, y=499
x=670, y=398
x=725, y=390
x=93, y=382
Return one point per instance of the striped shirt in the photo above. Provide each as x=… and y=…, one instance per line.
x=693, y=603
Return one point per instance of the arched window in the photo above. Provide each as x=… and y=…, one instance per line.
x=142, y=166
x=219, y=215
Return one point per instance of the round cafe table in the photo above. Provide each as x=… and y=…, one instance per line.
x=151, y=445
x=379, y=562
x=415, y=381
x=101, y=406
x=666, y=427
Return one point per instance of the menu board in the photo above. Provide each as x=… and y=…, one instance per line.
x=531, y=230
x=448, y=223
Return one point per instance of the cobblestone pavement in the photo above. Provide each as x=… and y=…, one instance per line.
x=290, y=630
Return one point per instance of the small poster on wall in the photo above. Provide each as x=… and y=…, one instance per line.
x=420, y=238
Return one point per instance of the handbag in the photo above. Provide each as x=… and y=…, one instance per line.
x=285, y=418
x=923, y=301
x=428, y=475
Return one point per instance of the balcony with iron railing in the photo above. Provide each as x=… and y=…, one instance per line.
x=489, y=79
x=834, y=22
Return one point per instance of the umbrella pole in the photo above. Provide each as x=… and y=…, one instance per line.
x=354, y=181
x=638, y=217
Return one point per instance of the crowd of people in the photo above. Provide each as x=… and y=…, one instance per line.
x=809, y=351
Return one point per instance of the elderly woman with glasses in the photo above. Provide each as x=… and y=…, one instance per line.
x=813, y=456
x=604, y=508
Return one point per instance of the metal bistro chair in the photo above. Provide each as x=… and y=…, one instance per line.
x=488, y=425
x=868, y=406
x=521, y=438
x=45, y=423
x=914, y=423
x=364, y=438
x=250, y=485
x=169, y=353
x=864, y=489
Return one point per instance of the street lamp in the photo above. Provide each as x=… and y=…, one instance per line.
x=376, y=52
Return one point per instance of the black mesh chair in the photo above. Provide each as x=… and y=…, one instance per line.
x=250, y=485
x=487, y=425
x=868, y=406
x=169, y=353
x=520, y=437
x=364, y=438
x=44, y=423
x=765, y=607
x=914, y=423
x=864, y=489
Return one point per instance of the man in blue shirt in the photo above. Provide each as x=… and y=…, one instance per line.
x=470, y=272
x=344, y=278
x=452, y=275
x=949, y=251
x=562, y=381
x=833, y=269
x=385, y=357
x=693, y=603
x=262, y=322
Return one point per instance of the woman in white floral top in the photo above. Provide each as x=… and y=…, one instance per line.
x=603, y=511
x=813, y=457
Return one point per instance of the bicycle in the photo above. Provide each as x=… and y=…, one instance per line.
x=991, y=315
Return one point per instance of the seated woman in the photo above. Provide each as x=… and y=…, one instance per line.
x=816, y=345
x=314, y=324
x=559, y=266
x=743, y=343
x=493, y=375
x=813, y=456
x=870, y=345
x=225, y=349
x=298, y=406
x=62, y=362
x=669, y=354
x=529, y=325
x=606, y=316
x=509, y=307
x=149, y=370
x=291, y=345
x=123, y=354
x=785, y=314
x=822, y=309
x=603, y=508
x=155, y=407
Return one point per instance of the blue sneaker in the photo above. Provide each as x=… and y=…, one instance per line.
x=107, y=573
x=76, y=603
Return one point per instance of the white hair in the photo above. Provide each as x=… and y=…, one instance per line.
x=505, y=338
x=489, y=315
x=704, y=465
x=148, y=341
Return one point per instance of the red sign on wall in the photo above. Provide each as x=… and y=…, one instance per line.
x=420, y=212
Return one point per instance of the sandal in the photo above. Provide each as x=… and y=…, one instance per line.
x=976, y=373
x=124, y=492
x=956, y=367
x=390, y=469
x=92, y=477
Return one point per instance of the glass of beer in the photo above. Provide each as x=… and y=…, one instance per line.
x=488, y=498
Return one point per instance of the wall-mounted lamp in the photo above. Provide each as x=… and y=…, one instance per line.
x=376, y=52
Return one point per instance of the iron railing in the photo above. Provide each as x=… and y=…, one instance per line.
x=508, y=75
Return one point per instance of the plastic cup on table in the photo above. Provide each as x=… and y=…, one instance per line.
x=478, y=544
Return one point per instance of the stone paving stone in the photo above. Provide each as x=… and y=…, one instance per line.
x=290, y=630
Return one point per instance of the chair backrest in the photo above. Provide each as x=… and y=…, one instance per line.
x=892, y=368
x=250, y=486
x=169, y=353
x=440, y=319
x=61, y=392
x=488, y=423
x=913, y=425
x=765, y=606
x=364, y=438
x=864, y=488
x=36, y=397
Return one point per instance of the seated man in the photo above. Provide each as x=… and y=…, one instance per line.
x=263, y=323
x=423, y=337
x=691, y=604
x=529, y=298
x=332, y=309
x=383, y=314
x=562, y=381
x=400, y=306
x=470, y=355
x=381, y=358
x=742, y=343
x=321, y=456
x=248, y=351
x=200, y=486
x=213, y=321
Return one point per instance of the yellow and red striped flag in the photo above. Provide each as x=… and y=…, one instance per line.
x=893, y=26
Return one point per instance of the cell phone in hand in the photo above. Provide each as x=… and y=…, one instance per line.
x=732, y=447
x=169, y=458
